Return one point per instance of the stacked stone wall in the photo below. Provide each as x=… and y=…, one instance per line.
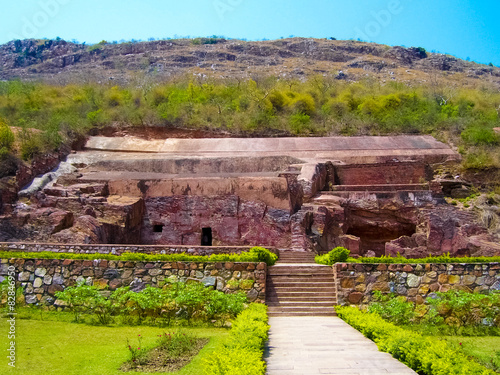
x=356, y=282
x=42, y=278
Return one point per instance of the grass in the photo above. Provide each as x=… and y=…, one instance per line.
x=54, y=347
x=485, y=349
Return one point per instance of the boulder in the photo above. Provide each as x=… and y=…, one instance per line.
x=61, y=220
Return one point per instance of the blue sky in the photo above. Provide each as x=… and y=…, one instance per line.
x=458, y=27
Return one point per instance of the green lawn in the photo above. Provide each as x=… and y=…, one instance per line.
x=51, y=347
x=486, y=349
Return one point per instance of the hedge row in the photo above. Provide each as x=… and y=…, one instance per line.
x=425, y=355
x=255, y=254
x=430, y=259
x=242, y=353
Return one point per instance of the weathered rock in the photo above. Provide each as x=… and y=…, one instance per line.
x=30, y=299
x=38, y=282
x=61, y=220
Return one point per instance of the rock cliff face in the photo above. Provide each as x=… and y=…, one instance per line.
x=229, y=219
x=231, y=195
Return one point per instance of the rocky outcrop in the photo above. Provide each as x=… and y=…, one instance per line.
x=445, y=230
x=64, y=61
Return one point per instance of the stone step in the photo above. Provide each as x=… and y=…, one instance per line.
x=301, y=279
x=284, y=270
x=300, y=305
x=294, y=256
x=290, y=313
x=382, y=187
x=296, y=271
x=294, y=309
x=311, y=283
x=299, y=295
x=309, y=302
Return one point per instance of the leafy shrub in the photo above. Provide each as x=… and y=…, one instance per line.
x=299, y=123
x=478, y=159
x=263, y=255
x=83, y=298
x=393, y=308
x=337, y=255
x=258, y=255
x=6, y=136
x=154, y=305
x=480, y=135
x=242, y=353
x=425, y=355
x=459, y=308
x=454, y=312
x=445, y=258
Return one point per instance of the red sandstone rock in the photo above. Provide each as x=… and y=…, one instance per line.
x=61, y=220
x=355, y=297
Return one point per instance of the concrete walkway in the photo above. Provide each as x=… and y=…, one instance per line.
x=324, y=345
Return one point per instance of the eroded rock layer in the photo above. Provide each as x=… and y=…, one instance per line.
x=373, y=195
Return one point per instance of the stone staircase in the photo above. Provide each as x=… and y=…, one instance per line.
x=296, y=286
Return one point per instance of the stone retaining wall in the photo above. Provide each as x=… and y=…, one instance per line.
x=120, y=249
x=356, y=282
x=42, y=278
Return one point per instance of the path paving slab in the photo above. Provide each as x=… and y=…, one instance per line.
x=324, y=345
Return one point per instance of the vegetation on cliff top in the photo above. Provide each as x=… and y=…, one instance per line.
x=46, y=116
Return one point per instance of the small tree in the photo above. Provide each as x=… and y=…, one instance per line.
x=6, y=136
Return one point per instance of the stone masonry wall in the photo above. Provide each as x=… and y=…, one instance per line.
x=120, y=249
x=356, y=282
x=42, y=278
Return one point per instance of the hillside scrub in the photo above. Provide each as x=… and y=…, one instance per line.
x=464, y=117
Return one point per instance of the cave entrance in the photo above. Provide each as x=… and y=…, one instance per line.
x=374, y=229
x=206, y=236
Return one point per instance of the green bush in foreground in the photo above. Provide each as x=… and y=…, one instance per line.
x=454, y=312
x=242, y=353
x=425, y=355
x=255, y=254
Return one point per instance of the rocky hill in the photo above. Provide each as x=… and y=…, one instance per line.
x=62, y=62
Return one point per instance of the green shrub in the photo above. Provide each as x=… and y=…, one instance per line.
x=480, y=135
x=242, y=352
x=263, y=255
x=178, y=300
x=478, y=159
x=337, y=255
x=6, y=136
x=393, y=308
x=445, y=258
x=299, y=123
x=257, y=254
x=425, y=355
x=81, y=299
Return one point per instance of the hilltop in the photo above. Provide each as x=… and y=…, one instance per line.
x=58, y=61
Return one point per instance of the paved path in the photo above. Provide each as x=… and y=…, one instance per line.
x=324, y=345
